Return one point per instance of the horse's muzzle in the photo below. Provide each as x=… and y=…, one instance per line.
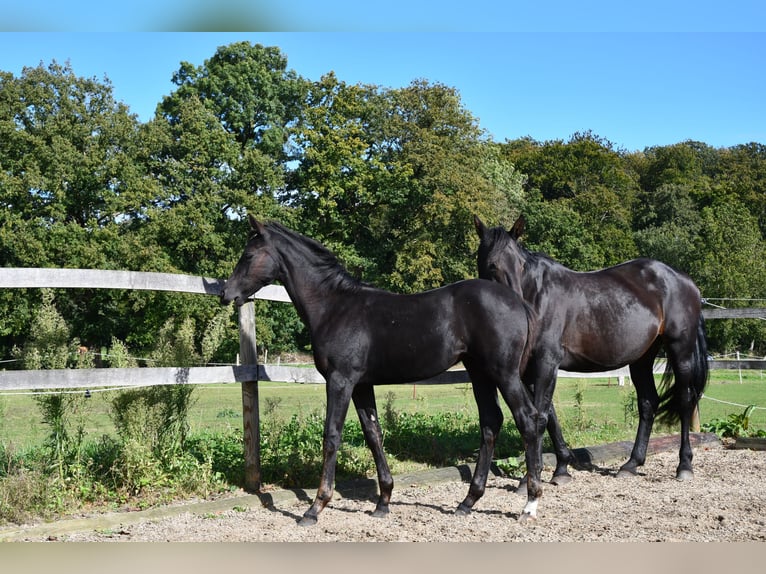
x=225, y=300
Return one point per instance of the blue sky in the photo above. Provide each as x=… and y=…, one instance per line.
x=634, y=88
x=392, y=15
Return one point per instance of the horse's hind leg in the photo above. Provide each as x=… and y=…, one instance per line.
x=647, y=400
x=564, y=456
x=364, y=401
x=531, y=420
x=542, y=371
x=490, y=420
x=690, y=374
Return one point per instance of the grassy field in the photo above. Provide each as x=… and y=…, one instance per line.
x=45, y=474
x=592, y=409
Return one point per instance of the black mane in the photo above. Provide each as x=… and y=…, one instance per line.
x=498, y=236
x=324, y=260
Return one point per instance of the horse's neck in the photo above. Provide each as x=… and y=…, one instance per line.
x=310, y=293
x=538, y=278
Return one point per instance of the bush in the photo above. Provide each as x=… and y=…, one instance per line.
x=224, y=452
x=735, y=425
x=149, y=462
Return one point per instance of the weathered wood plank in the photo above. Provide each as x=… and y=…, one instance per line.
x=31, y=278
x=742, y=313
x=94, y=378
x=287, y=374
x=752, y=443
x=607, y=454
x=747, y=364
x=132, y=377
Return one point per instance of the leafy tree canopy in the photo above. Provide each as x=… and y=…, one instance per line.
x=389, y=178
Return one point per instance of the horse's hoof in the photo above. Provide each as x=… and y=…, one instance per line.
x=624, y=473
x=462, y=511
x=562, y=479
x=307, y=521
x=527, y=519
x=683, y=475
x=380, y=512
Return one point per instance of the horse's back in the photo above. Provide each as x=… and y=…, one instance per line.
x=647, y=281
x=400, y=338
x=633, y=302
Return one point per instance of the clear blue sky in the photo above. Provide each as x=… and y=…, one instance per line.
x=634, y=88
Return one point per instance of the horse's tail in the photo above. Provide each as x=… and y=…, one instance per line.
x=676, y=400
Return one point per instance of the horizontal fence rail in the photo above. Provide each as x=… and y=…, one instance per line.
x=739, y=313
x=27, y=277
x=145, y=376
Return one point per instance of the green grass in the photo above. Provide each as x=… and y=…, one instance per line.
x=424, y=426
x=218, y=408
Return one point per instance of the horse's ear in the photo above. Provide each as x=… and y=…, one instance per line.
x=255, y=225
x=518, y=228
x=481, y=230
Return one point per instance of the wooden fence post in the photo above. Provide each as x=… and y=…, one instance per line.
x=695, y=421
x=250, y=410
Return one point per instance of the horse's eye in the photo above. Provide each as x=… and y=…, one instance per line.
x=492, y=267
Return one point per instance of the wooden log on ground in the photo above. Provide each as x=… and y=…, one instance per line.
x=752, y=443
x=608, y=454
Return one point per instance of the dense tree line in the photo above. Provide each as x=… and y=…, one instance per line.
x=387, y=178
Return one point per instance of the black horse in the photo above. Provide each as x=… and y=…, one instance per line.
x=363, y=336
x=602, y=320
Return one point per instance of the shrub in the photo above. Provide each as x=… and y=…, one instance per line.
x=735, y=425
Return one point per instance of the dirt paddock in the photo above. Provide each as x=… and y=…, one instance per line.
x=726, y=501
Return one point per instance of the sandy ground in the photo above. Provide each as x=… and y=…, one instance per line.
x=726, y=501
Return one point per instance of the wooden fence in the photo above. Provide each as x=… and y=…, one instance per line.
x=247, y=373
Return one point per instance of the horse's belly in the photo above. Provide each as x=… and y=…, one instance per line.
x=610, y=349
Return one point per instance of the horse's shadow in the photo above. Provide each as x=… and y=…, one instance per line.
x=366, y=489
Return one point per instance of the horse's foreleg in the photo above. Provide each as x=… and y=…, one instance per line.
x=564, y=456
x=338, y=399
x=491, y=421
x=364, y=401
x=541, y=374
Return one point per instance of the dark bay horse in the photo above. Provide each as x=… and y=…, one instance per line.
x=603, y=320
x=363, y=336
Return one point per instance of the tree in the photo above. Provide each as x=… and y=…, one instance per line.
x=585, y=176
x=66, y=148
x=742, y=172
x=685, y=163
x=731, y=264
x=70, y=181
x=668, y=226
x=251, y=92
x=390, y=178
x=221, y=148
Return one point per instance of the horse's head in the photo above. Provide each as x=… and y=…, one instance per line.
x=258, y=266
x=500, y=257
